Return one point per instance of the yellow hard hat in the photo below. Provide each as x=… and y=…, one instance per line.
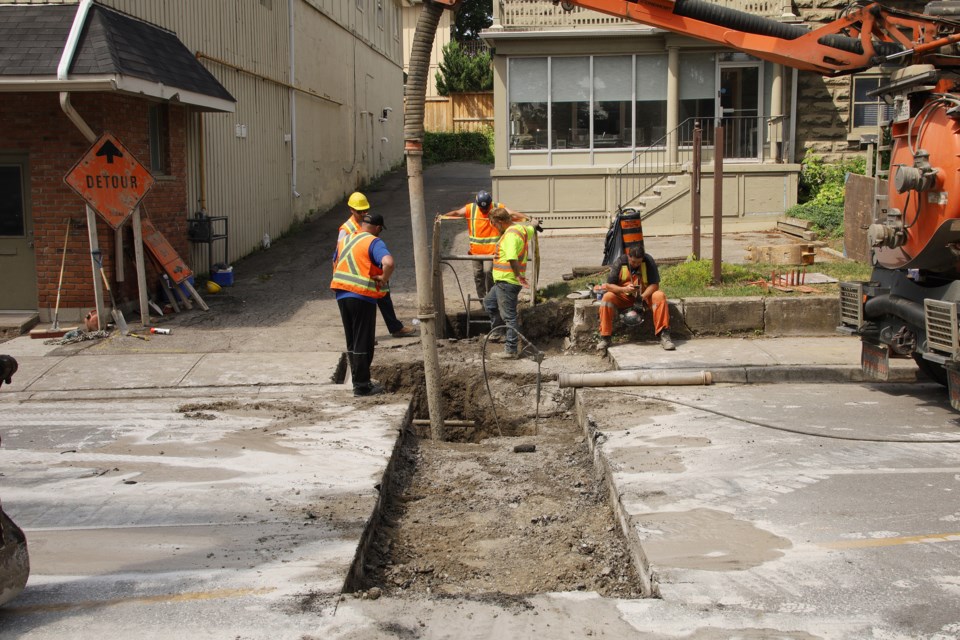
x=358, y=201
x=212, y=287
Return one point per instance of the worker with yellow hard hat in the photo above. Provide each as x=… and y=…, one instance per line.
x=359, y=205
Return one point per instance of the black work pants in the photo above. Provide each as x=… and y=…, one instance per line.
x=359, y=326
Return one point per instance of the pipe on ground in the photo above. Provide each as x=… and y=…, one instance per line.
x=635, y=378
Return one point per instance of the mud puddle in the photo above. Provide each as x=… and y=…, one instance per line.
x=481, y=515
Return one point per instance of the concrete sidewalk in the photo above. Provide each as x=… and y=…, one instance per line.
x=760, y=360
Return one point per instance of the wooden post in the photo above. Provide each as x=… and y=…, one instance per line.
x=718, y=204
x=695, y=187
x=94, y=267
x=141, y=269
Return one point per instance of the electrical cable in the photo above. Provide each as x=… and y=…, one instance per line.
x=765, y=425
x=463, y=298
x=538, y=357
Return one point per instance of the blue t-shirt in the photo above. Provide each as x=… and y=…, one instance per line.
x=378, y=251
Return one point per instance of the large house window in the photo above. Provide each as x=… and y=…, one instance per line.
x=570, y=102
x=159, y=140
x=528, y=103
x=698, y=86
x=651, y=100
x=612, y=98
x=868, y=111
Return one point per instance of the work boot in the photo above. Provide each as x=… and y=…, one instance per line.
x=507, y=355
x=665, y=341
x=603, y=344
x=496, y=337
x=369, y=389
x=404, y=332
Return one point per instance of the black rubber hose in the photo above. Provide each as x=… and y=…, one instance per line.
x=907, y=310
x=749, y=23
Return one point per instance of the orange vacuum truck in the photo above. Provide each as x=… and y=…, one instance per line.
x=909, y=306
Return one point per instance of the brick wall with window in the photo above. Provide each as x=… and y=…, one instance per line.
x=35, y=126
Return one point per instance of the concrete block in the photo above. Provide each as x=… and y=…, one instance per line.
x=712, y=316
x=806, y=316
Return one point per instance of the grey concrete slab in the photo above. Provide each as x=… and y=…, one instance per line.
x=29, y=370
x=215, y=369
x=790, y=505
x=116, y=371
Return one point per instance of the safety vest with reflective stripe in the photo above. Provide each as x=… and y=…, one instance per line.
x=354, y=270
x=626, y=276
x=483, y=235
x=501, y=266
x=350, y=226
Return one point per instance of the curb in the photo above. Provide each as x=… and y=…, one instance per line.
x=772, y=374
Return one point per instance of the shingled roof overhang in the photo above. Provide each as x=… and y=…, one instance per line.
x=115, y=52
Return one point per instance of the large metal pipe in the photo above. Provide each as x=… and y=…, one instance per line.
x=634, y=378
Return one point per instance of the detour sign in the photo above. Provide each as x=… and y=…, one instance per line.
x=110, y=179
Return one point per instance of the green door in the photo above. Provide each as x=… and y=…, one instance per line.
x=17, y=261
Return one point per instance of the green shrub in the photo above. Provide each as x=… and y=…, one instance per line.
x=461, y=72
x=827, y=217
x=466, y=146
x=821, y=192
x=695, y=275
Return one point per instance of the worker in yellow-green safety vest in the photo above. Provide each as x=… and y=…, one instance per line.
x=483, y=234
x=361, y=275
x=509, y=269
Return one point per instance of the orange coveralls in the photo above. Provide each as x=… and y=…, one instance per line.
x=613, y=303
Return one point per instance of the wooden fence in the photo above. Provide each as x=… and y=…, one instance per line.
x=459, y=112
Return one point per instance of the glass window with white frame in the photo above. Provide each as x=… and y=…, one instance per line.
x=528, y=103
x=868, y=111
x=570, y=102
x=612, y=97
x=651, y=101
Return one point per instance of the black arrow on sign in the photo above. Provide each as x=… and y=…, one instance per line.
x=110, y=150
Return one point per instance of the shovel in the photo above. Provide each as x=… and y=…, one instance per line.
x=116, y=313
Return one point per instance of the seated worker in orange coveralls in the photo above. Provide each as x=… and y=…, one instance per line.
x=634, y=273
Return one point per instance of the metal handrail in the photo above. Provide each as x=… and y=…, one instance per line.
x=747, y=139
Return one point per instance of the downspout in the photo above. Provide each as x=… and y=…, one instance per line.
x=293, y=106
x=63, y=69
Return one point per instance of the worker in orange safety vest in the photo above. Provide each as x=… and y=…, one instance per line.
x=483, y=235
x=361, y=275
x=634, y=282
x=359, y=205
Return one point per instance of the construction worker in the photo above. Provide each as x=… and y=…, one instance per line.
x=361, y=274
x=483, y=235
x=359, y=205
x=509, y=268
x=634, y=275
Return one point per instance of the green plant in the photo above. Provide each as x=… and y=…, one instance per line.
x=821, y=192
x=465, y=146
x=461, y=72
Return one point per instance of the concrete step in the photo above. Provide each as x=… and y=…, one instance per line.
x=15, y=323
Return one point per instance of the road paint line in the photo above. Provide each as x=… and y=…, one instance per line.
x=891, y=542
x=160, y=598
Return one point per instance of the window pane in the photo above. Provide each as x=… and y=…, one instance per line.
x=528, y=103
x=11, y=201
x=861, y=86
x=528, y=80
x=697, y=76
x=651, y=78
x=651, y=123
x=570, y=79
x=612, y=78
x=571, y=125
x=570, y=101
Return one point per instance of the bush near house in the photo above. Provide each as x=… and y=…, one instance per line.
x=461, y=72
x=464, y=146
x=821, y=192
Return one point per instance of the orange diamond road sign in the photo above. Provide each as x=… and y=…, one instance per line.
x=110, y=179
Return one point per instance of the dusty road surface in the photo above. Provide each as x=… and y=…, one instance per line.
x=229, y=501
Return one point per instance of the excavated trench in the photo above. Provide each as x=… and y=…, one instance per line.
x=507, y=506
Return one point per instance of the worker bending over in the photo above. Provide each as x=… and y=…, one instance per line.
x=634, y=275
x=509, y=269
x=483, y=235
